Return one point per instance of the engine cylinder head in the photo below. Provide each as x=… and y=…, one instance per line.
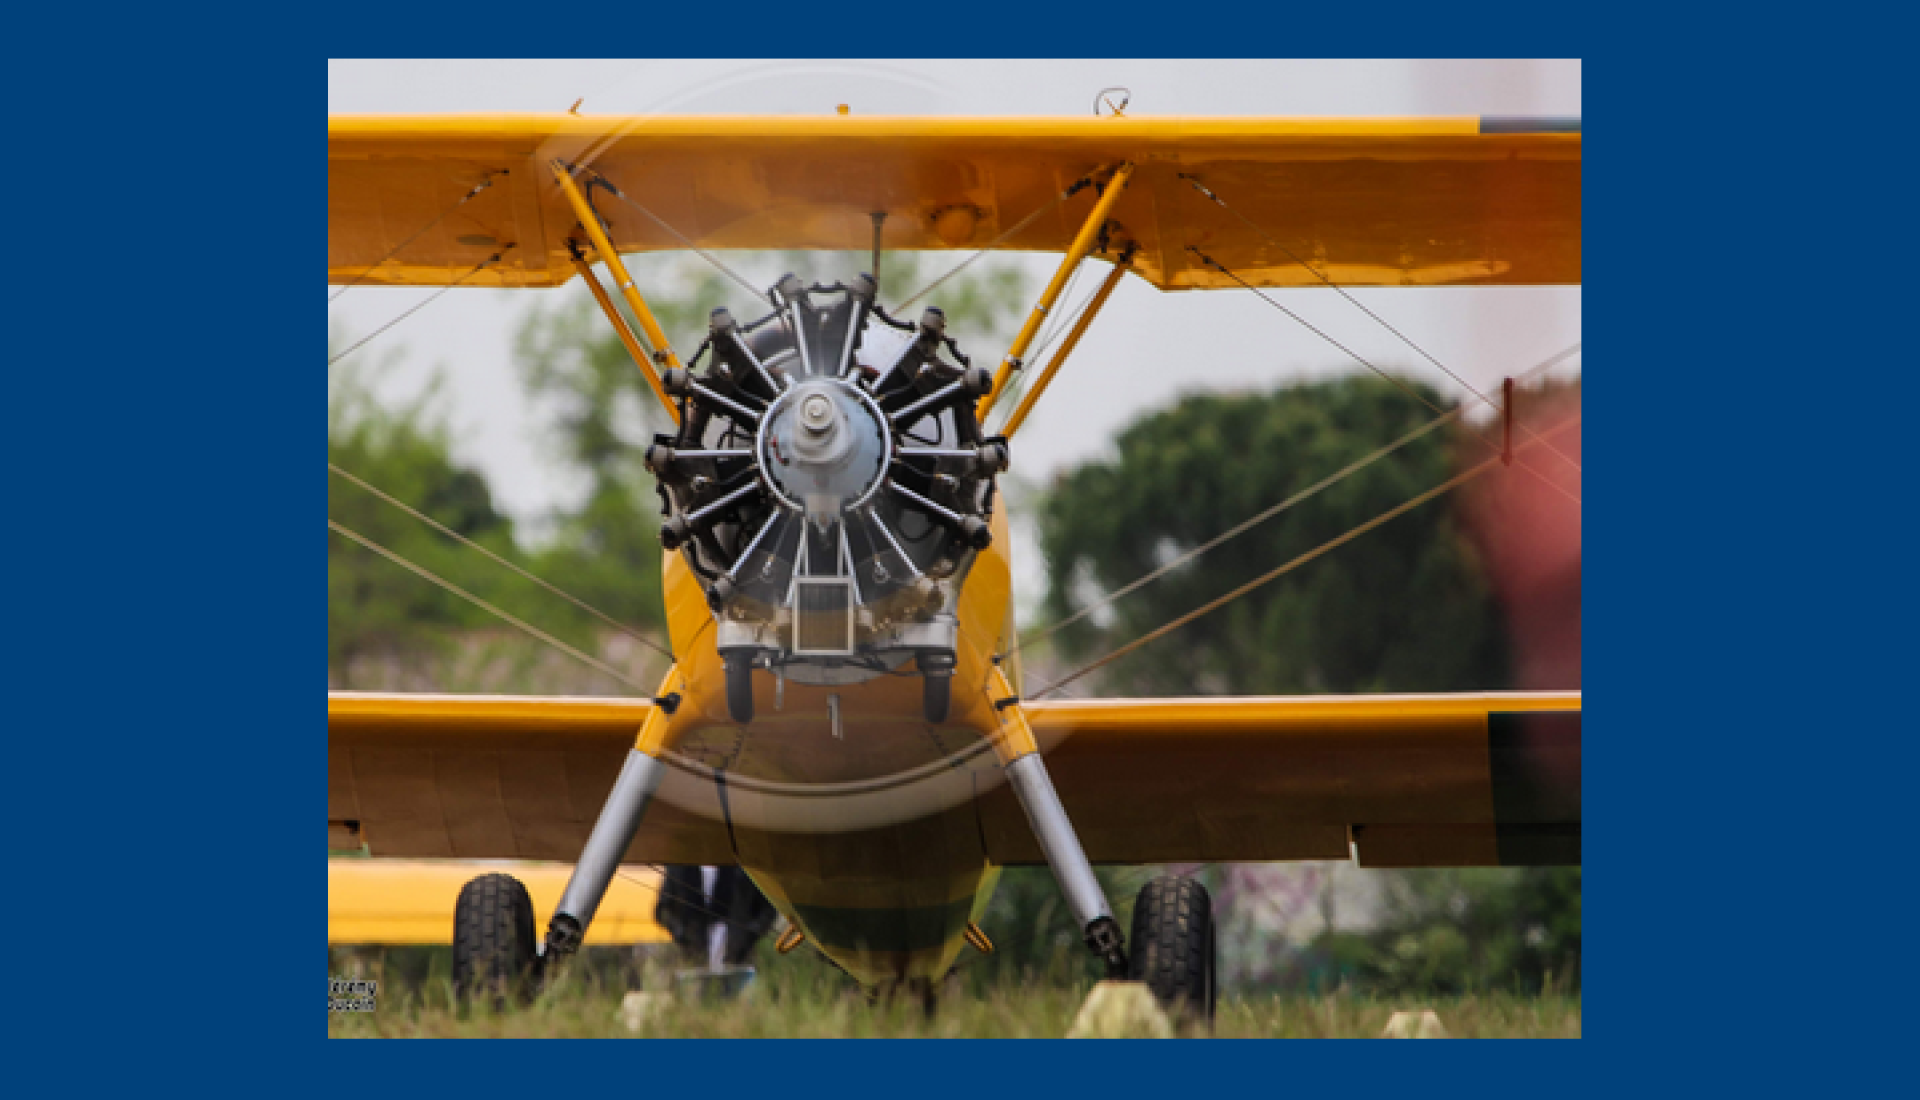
x=674, y=531
x=975, y=532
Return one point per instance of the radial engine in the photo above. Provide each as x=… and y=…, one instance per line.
x=830, y=486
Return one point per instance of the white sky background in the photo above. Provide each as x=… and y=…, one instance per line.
x=1144, y=350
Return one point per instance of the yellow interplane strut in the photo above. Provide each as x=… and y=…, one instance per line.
x=619, y=323
x=1080, y=325
x=663, y=354
x=1082, y=244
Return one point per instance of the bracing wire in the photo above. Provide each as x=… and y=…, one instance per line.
x=465, y=541
x=1059, y=324
x=490, y=609
x=1282, y=570
x=418, y=306
x=1239, y=529
x=992, y=244
x=758, y=293
x=437, y=219
x=1357, y=304
x=1363, y=361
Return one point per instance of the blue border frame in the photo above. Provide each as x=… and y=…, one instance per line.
x=165, y=649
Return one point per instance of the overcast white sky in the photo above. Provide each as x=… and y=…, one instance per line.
x=1144, y=350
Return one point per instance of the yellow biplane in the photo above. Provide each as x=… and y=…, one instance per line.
x=846, y=716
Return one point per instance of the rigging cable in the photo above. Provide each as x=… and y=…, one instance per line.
x=1083, y=181
x=484, y=184
x=1280, y=571
x=1403, y=386
x=464, y=540
x=1337, y=288
x=1242, y=528
x=489, y=608
x=730, y=273
x=418, y=306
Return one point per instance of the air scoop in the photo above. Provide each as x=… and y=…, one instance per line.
x=824, y=446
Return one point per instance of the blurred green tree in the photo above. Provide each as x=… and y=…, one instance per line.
x=1405, y=607
x=374, y=607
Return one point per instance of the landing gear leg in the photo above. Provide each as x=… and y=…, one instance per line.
x=1027, y=774
x=613, y=831
x=606, y=846
x=1068, y=859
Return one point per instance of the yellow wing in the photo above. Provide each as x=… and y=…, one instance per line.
x=492, y=777
x=1413, y=780
x=1410, y=780
x=1369, y=202
x=399, y=902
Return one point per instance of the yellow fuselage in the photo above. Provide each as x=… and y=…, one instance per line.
x=884, y=899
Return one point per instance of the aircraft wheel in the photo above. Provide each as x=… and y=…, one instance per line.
x=739, y=665
x=493, y=941
x=1172, y=944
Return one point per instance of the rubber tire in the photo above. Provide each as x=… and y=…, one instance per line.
x=936, y=697
x=1173, y=944
x=739, y=686
x=493, y=952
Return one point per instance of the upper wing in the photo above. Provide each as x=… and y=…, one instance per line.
x=1409, y=780
x=1369, y=202
x=1393, y=780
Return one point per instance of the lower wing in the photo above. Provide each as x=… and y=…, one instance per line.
x=397, y=902
x=1387, y=780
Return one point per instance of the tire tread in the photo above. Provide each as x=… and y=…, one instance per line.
x=1173, y=940
x=493, y=938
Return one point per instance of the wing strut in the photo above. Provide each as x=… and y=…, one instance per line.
x=619, y=323
x=663, y=354
x=1082, y=244
x=1039, y=386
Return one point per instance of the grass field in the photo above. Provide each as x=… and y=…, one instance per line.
x=814, y=1002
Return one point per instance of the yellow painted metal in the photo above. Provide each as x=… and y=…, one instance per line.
x=656, y=734
x=1151, y=780
x=790, y=939
x=1013, y=738
x=454, y=716
x=1369, y=201
x=1080, y=325
x=663, y=350
x=883, y=905
x=1272, y=716
x=620, y=328
x=793, y=742
x=410, y=902
x=408, y=715
x=1050, y=298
